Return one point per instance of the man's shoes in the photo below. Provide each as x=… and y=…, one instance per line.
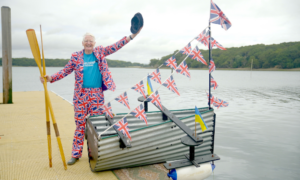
x=72, y=161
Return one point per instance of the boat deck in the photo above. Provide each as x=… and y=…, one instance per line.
x=23, y=140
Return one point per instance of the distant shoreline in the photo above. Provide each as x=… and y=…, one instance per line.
x=225, y=69
x=232, y=69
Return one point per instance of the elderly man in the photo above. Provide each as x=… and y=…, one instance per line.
x=92, y=77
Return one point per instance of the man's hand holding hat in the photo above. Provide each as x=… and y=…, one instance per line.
x=137, y=23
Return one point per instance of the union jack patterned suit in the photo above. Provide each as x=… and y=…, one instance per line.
x=88, y=100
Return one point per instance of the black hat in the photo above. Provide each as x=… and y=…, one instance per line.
x=136, y=23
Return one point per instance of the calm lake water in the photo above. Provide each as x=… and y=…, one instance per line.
x=256, y=135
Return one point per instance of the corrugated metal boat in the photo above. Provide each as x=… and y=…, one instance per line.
x=161, y=141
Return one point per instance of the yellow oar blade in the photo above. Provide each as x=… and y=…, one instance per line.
x=34, y=46
x=37, y=57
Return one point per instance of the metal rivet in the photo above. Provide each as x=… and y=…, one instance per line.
x=212, y=155
x=170, y=164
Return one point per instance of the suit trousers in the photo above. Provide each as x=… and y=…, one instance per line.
x=89, y=101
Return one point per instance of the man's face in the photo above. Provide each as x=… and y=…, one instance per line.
x=88, y=44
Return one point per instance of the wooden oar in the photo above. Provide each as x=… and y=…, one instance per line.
x=37, y=57
x=46, y=106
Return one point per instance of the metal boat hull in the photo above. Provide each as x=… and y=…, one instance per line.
x=156, y=143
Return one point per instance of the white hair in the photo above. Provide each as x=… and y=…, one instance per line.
x=88, y=34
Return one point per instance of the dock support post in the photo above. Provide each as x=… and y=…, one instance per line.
x=6, y=55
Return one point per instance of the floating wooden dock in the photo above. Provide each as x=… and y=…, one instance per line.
x=23, y=143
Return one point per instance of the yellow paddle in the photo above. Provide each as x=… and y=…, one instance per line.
x=37, y=57
x=46, y=107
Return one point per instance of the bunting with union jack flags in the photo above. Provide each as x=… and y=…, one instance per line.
x=171, y=85
x=212, y=66
x=220, y=103
x=123, y=99
x=139, y=112
x=213, y=83
x=139, y=87
x=183, y=69
x=155, y=99
x=106, y=109
x=218, y=17
x=215, y=43
x=212, y=98
x=155, y=76
x=171, y=62
x=203, y=37
x=187, y=49
x=122, y=126
x=197, y=55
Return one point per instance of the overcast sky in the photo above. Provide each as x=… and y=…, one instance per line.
x=168, y=25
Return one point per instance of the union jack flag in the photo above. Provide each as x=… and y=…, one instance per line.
x=170, y=84
x=212, y=98
x=83, y=101
x=213, y=83
x=203, y=37
x=155, y=76
x=218, y=17
x=155, y=99
x=122, y=126
x=220, y=103
x=98, y=103
x=214, y=43
x=139, y=87
x=123, y=99
x=106, y=109
x=187, y=49
x=171, y=62
x=197, y=55
x=212, y=66
x=139, y=112
x=183, y=69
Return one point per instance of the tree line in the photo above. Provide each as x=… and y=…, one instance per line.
x=62, y=62
x=284, y=55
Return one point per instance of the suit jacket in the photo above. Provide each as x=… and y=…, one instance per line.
x=76, y=64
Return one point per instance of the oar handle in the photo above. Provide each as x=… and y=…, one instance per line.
x=55, y=127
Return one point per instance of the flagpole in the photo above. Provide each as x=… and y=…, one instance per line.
x=210, y=56
x=209, y=52
x=195, y=130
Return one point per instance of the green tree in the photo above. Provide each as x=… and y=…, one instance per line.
x=284, y=55
x=153, y=62
x=297, y=63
